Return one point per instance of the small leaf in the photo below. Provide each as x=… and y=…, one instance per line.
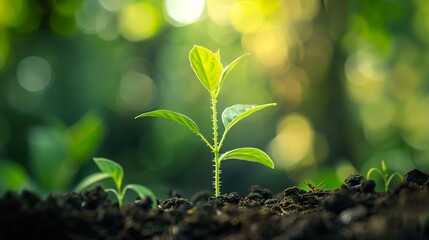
x=228, y=69
x=217, y=55
x=142, y=191
x=248, y=154
x=174, y=116
x=111, y=168
x=234, y=114
x=90, y=180
x=207, y=67
x=384, y=167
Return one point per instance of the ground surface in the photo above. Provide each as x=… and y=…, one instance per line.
x=354, y=211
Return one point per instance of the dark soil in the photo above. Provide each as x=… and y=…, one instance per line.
x=354, y=211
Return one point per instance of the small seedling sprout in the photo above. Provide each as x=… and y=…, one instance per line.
x=384, y=173
x=110, y=169
x=212, y=74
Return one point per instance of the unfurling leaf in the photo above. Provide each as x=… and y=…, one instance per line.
x=248, y=154
x=113, y=169
x=207, y=67
x=384, y=168
x=217, y=55
x=234, y=114
x=228, y=69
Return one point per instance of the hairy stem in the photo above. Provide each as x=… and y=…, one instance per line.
x=215, y=148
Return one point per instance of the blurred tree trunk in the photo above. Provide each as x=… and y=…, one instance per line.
x=336, y=118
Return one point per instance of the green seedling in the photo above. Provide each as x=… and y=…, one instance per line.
x=384, y=173
x=212, y=74
x=110, y=169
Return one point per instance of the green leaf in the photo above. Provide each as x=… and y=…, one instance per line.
x=228, y=69
x=142, y=191
x=91, y=180
x=207, y=67
x=48, y=158
x=111, y=168
x=234, y=114
x=217, y=55
x=13, y=176
x=84, y=137
x=248, y=154
x=384, y=167
x=174, y=116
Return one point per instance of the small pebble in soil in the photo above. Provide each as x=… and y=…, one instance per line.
x=417, y=177
x=352, y=214
x=359, y=183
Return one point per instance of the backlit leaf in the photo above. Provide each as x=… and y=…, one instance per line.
x=207, y=67
x=111, y=168
x=248, y=154
x=234, y=114
x=174, y=116
x=217, y=55
x=228, y=69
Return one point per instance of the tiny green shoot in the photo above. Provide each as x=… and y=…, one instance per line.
x=384, y=173
x=110, y=169
x=211, y=73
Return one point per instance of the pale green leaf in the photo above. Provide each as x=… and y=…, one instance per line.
x=111, y=168
x=228, y=69
x=217, y=55
x=207, y=67
x=234, y=114
x=174, y=116
x=384, y=167
x=248, y=154
x=142, y=191
x=91, y=180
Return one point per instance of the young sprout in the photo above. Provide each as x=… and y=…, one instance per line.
x=212, y=74
x=384, y=175
x=110, y=169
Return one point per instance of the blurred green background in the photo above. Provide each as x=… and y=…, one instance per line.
x=349, y=77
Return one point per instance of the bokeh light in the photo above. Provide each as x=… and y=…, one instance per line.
x=184, y=12
x=112, y=5
x=269, y=46
x=139, y=21
x=91, y=17
x=294, y=141
x=34, y=74
x=136, y=91
x=246, y=16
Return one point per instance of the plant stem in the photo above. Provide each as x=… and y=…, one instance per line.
x=118, y=196
x=215, y=147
